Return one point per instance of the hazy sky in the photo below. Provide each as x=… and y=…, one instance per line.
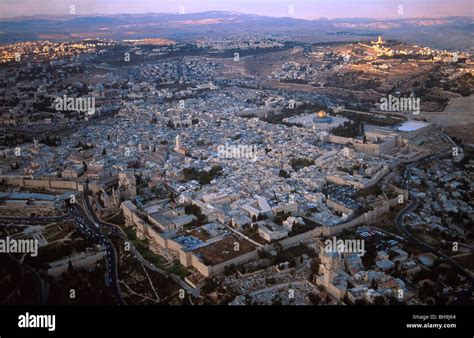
x=302, y=8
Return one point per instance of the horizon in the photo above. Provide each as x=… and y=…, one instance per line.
x=90, y=15
x=298, y=9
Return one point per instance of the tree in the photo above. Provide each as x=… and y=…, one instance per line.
x=315, y=265
x=104, y=152
x=428, y=289
x=229, y=270
x=209, y=285
x=277, y=302
x=283, y=174
x=314, y=298
x=278, y=247
x=262, y=254
x=379, y=300
x=70, y=267
x=374, y=285
x=370, y=254
x=171, y=197
x=393, y=301
x=196, y=211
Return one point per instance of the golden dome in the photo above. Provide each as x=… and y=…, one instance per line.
x=322, y=114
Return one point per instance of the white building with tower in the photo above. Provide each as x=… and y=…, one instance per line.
x=178, y=146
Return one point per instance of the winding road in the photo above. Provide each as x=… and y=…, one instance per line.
x=117, y=231
x=413, y=204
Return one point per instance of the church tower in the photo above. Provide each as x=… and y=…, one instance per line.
x=177, y=146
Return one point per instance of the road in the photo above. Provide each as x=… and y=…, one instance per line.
x=414, y=202
x=90, y=228
x=116, y=230
x=399, y=223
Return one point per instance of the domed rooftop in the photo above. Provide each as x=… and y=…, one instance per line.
x=322, y=117
x=322, y=114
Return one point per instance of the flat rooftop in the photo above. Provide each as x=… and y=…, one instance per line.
x=189, y=242
x=412, y=125
x=223, y=250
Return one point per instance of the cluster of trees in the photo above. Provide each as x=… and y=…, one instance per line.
x=292, y=255
x=283, y=173
x=192, y=209
x=299, y=229
x=209, y=286
x=299, y=163
x=229, y=270
x=353, y=80
x=15, y=165
x=84, y=146
x=349, y=129
x=202, y=176
x=296, y=110
x=53, y=141
x=314, y=268
x=281, y=216
x=370, y=254
x=462, y=85
x=10, y=140
x=383, y=121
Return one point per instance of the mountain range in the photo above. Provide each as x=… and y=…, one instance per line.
x=444, y=33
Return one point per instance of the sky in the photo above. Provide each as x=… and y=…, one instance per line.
x=298, y=8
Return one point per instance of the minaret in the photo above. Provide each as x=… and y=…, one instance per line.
x=177, y=146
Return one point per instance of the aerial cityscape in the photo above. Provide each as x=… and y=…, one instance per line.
x=217, y=156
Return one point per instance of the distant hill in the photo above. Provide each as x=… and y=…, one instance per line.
x=445, y=33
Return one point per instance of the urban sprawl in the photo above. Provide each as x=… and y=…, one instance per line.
x=251, y=170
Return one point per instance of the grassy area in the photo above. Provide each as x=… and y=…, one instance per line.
x=178, y=269
x=156, y=260
x=142, y=247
